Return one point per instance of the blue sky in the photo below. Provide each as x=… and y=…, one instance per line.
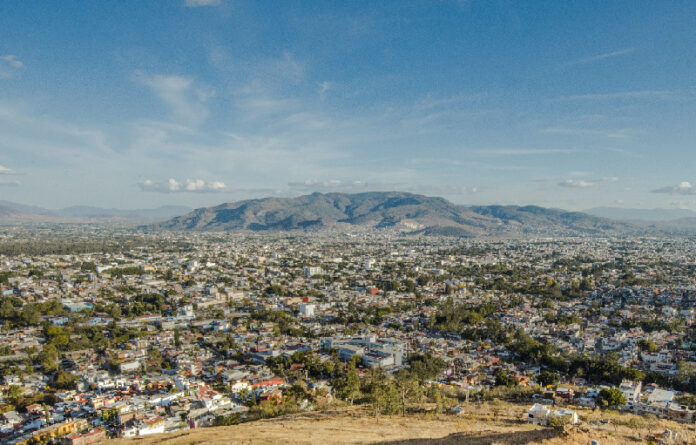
x=197, y=102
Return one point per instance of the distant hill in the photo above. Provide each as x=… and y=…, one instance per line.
x=397, y=212
x=163, y=212
x=12, y=213
x=649, y=215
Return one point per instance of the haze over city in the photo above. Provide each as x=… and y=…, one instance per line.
x=198, y=102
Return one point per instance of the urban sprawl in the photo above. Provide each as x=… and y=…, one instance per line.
x=118, y=334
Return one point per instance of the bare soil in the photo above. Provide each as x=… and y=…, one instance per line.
x=481, y=425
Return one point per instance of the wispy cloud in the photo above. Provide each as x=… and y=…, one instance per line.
x=619, y=133
x=186, y=99
x=10, y=183
x=642, y=94
x=199, y=3
x=190, y=185
x=314, y=185
x=324, y=87
x=683, y=188
x=525, y=151
x=13, y=61
x=6, y=171
x=9, y=64
x=609, y=55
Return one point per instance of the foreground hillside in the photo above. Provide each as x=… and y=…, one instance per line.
x=488, y=424
x=404, y=213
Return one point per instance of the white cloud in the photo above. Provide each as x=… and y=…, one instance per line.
x=217, y=185
x=199, y=3
x=683, y=188
x=187, y=100
x=586, y=183
x=190, y=185
x=6, y=171
x=577, y=183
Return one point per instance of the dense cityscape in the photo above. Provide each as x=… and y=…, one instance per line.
x=112, y=333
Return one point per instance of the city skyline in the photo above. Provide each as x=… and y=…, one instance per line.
x=199, y=102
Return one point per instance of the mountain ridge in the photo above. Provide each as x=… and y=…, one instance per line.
x=399, y=212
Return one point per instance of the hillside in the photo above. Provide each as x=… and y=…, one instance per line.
x=397, y=212
x=497, y=423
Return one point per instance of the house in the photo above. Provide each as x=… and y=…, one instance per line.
x=9, y=421
x=95, y=436
x=564, y=394
x=631, y=391
x=145, y=427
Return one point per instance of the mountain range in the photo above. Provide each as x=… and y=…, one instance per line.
x=641, y=215
x=13, y=213
x=394, y=212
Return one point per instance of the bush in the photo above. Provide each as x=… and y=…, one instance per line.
x=559, y=421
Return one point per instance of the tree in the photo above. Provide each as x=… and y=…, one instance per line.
x=611, y=397
x=407, y=387
x=14, y=392
x=384, y=399
x=47, y=413
x=177, y=337
x=546, y=378
x=425, y=366
x=65, y=380
x=503, y=379
x=434, y=395
x=47, y=358
x=348, y=387
x=647, y=345
x=7, y=310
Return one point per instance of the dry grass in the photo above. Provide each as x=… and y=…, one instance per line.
x=492, y=423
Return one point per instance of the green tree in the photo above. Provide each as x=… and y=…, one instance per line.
x=348, y=387
x=546, y=378
x=611, y=397
x=647, y=345
x=385, y=399
x=503, y=379
x=47, y=358
x=177, y=337
x=14, y=392
x=407, y=387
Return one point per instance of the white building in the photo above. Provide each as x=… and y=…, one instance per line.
x=311, y=271
x=631, y=391
x=129, y=366
x=541, y=415
x=307, y=310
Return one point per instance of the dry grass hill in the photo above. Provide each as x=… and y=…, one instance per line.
x=495, y=423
